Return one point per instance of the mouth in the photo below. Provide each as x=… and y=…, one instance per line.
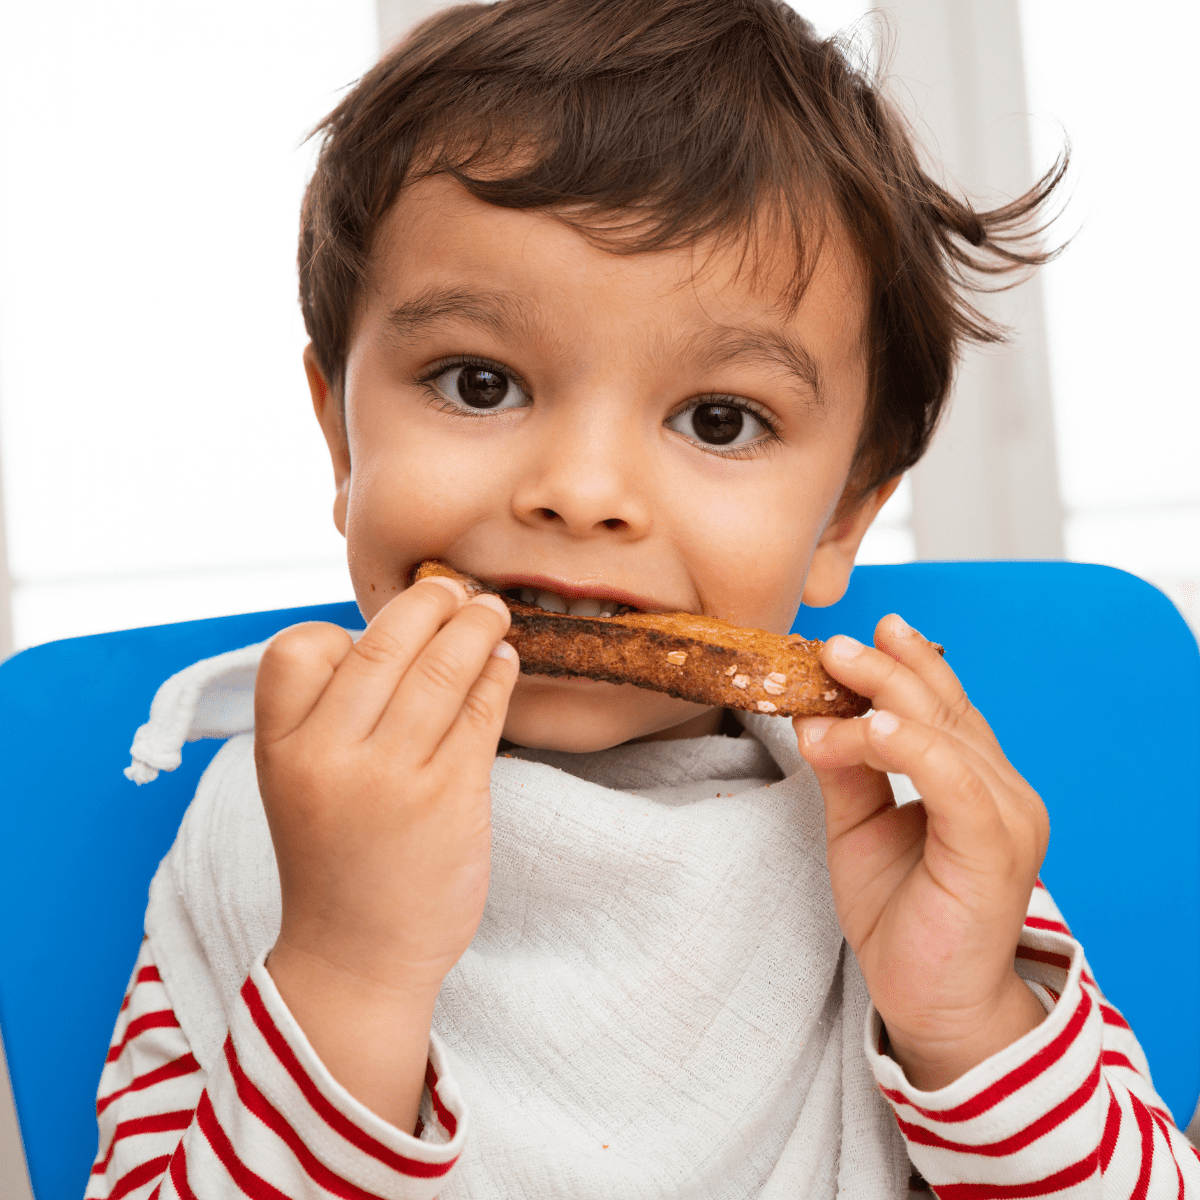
x=571, y=606
x=573, y=600
x=546, y=594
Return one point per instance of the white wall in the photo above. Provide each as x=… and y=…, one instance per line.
x=1122, y=305
x=988, y=487
x=159, y=455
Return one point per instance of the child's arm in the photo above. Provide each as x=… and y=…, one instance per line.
x=1068, y=1110
x=149, y=1088
x=374, y=763
x=931, y=896
x=268, y=1121
x=998, y=1091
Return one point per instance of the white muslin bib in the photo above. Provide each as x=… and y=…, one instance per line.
x=658, y=1003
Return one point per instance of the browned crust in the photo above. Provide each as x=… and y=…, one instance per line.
x=701, y=659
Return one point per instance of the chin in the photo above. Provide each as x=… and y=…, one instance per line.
x=581, y=715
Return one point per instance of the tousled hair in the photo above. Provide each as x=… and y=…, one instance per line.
x=653, y=124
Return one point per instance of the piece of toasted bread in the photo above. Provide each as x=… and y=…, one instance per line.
x=701, y=659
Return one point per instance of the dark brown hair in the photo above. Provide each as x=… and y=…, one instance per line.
x=648, y=124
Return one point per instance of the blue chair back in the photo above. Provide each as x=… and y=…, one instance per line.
x=79, y=844
x=1051, y=652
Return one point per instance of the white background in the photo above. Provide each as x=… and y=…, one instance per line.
x=1122, y=306
x=159, y=454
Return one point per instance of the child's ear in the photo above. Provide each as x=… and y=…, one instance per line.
x=329, y=415
x=833, y=560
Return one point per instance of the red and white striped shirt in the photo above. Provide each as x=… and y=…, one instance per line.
x=1067, y=1111
x=270, y=1123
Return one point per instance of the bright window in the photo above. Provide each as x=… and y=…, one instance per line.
x=1122, y=305
x=160, y=457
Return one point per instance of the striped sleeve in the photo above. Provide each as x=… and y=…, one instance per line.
x=268, y=1122
x=1067, y=1111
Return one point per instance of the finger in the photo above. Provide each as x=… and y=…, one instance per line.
x=853, y=791
x=897, y=638
x=480, y=720
x=433, y=691
x=871, y=844
x=294, y=671
x=959, y=789
x=898, y=685
x=963, y=796
x=368, y=676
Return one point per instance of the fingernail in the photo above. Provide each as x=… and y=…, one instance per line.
x=841, y=646
x=884, y=723
x=900, y=627
x=814, y=731
x=490, y=601
x=503, y=650
x=451, y=585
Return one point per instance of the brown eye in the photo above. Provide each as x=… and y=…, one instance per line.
x=717, y=424
x=481, y=387
x=478, y=389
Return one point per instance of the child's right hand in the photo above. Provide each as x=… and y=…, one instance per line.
x=374, y=761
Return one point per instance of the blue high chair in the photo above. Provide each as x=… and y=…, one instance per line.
x=1089, y=677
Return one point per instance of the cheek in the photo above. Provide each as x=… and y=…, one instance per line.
x=752, y=550
x=413, y=492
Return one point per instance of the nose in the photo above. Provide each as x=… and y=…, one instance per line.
x=587, y=478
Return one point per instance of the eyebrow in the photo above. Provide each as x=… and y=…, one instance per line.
x=501, y=312
x=723, y=344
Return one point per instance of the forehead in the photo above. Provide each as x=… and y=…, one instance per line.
x=529, y=268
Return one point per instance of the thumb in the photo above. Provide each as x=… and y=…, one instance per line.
x=871, y=845
x=853, y=791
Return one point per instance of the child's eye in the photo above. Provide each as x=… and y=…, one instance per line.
x=478, y=386
x=719, y=423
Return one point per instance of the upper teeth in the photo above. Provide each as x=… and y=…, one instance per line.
x=584, y=606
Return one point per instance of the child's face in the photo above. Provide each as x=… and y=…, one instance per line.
x=653, y=430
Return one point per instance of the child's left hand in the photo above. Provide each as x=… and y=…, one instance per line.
x=931, y=896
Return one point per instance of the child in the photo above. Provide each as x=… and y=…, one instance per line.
x=641, y=302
